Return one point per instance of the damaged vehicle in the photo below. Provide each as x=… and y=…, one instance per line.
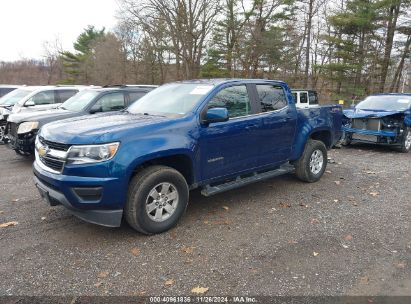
x=6, y=104
x=383, y=119
x=22, y=128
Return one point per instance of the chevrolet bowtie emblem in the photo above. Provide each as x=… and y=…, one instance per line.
x=43, y=151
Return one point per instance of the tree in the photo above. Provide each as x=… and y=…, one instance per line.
x=77, y=64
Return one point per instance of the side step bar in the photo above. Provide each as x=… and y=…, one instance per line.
x=239, y=181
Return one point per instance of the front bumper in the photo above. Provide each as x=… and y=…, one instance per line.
x=372, y=136
x=91, y=199
x=24, y=143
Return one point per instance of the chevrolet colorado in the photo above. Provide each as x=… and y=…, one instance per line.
x=215, y=134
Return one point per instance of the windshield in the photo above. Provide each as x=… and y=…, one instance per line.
x=79, y=101
x=385, y=103
x=13, y=97
x=175, y=98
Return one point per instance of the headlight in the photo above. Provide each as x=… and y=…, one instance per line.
x=92, y=154
x=27, y=127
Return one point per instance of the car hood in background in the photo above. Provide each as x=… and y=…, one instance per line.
x=357, y=113
x=38, y=115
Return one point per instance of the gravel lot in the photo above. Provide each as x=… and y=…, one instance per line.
x=348, y=234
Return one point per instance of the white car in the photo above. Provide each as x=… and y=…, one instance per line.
x=305, y=98
x=45, y=98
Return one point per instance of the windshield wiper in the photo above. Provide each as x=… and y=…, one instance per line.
x=149, y=114
x=61, y=107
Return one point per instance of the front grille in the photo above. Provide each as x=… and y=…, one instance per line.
x=54, y=145
x=373, y=124
x=52, y=163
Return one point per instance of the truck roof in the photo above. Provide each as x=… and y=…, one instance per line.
x=217, y=81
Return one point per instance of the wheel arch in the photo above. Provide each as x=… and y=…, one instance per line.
x=181, y=162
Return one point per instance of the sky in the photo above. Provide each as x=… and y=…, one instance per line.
x=26, y=24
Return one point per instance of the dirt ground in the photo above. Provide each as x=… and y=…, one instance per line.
x=348, y=234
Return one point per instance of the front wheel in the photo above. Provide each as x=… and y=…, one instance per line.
x=311, y=165
x=3, y=138
x=406, y=140
x=157, y=198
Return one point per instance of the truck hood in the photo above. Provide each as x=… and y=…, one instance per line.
x=357, y=113
x=39, y=116
x=90, y=129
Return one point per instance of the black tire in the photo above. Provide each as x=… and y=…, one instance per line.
x=405, y=140
x=302, y=166
x=138, y=195
x=346, y=139
x=23, y=153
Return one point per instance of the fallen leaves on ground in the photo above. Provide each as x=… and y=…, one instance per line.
x=8, y=224
x=188, y=250
x=170, y=282
x=401, y=265
x=337, y=182
x=98, y=284
x=15, y=200
x=315, y=253
x=225, y=208
x=314, y=221
x=135, y=251
x=103, y=275
x=364, y=280
x=348, y=237
x=285, y=205
x=199, y=290
x=374, y=194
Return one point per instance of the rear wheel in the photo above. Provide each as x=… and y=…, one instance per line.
x=311, y=165
x=406, y=140
x=157, y=198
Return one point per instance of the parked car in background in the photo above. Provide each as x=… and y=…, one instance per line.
x=215, y=135
x=6, y=104
x=5, y=89
x=383, y=119
x=305, y=98
x=45, y=97
x=22, y=128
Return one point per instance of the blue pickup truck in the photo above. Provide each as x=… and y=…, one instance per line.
x=215, y=135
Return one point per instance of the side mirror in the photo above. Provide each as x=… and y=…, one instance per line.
x=96, y=109
x=216, y=115
x=29, y=103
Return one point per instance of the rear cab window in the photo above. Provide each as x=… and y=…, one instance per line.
x=271, y=97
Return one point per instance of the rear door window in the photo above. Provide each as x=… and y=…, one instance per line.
x=111, y=102
x=66, y=94
x=313, y=98
x=303, y=97
x=235, y=99
x=42, y=98
x=271, y=97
